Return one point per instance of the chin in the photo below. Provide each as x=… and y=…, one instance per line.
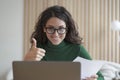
x=57, y=43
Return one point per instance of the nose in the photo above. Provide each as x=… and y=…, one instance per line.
x=55, y=33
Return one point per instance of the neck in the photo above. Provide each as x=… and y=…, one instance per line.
x=56, y=46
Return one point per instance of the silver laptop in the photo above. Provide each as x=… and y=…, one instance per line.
x=35, y=70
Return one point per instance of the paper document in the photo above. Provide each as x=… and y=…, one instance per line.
x=88, y=67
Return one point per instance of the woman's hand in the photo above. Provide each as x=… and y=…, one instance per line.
x=34, y=54
x=93, y=77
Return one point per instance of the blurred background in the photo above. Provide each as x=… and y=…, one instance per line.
x=11, y=34
x=94, y=18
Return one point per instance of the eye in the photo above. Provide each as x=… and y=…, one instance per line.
x=61, y=30
x=50, y=30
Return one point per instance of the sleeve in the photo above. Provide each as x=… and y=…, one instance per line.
x=84, y=53
x=100, y=76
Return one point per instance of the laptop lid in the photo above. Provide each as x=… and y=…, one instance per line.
x=35, y=70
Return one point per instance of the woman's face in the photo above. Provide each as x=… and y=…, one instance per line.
x=55, y=30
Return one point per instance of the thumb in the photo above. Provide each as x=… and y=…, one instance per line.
x=34, y=42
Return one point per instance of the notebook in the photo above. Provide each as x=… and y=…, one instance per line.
x=41, y=70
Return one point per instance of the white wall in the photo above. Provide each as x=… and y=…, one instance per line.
x=11, y=34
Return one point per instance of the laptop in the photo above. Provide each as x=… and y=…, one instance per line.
x=41, y=70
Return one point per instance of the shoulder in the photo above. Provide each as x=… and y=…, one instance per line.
x=77, y=46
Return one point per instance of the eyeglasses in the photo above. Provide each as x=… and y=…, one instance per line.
x=51, y=30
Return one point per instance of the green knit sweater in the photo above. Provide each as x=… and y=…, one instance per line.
x=65, y=52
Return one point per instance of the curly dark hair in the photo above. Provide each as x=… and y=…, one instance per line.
x=60, y=12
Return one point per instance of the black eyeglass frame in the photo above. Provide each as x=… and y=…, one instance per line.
x=54, y=29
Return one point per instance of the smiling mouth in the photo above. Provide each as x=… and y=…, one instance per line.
x=55, y=38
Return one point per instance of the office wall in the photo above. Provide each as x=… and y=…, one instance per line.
x=11, y=34
x=94, y=19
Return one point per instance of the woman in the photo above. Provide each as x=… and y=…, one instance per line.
x=56, y=38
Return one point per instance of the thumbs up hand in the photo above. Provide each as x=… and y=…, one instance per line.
x=34, y=54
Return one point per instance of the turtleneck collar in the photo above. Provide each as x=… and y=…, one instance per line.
x=49, y=44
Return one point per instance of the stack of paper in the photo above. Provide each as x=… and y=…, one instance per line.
x=89, y=67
